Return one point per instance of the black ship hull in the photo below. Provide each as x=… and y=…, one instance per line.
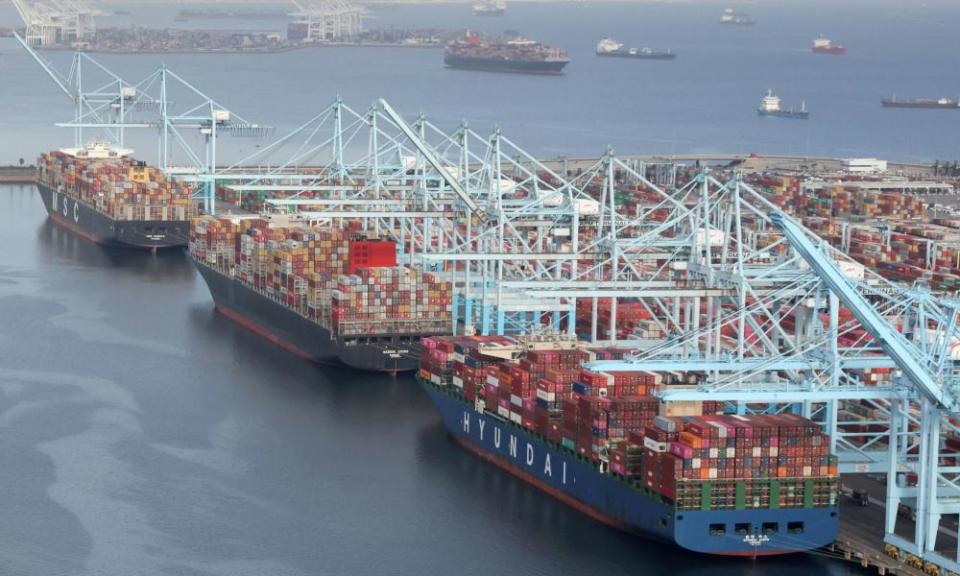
x=551, y=67
x=101, y=228
x=300, y=335
x=949, y=105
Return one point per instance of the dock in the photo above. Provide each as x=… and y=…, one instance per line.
x=18, y=174
x=860, y=539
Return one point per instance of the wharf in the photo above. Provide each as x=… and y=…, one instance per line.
x=18, y=174
x=860, y=539
x=747, y=163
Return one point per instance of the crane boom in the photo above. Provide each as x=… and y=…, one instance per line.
x=57, y=78
x=433, y=160
x=889, y=339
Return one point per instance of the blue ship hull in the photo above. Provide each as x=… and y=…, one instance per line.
x=621, y=504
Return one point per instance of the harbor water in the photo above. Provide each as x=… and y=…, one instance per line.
x=703, y=102
x=146, y=434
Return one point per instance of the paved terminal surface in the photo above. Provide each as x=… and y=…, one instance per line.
x=861, y=527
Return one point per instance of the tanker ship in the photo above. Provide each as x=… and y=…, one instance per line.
x=99, y=192
x=505, y=55
x=324, y=294
x=770, y=106
x=703, y=481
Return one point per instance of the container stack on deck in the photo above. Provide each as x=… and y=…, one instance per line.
x=686, y=452
x=121, y=188
x=340, y=278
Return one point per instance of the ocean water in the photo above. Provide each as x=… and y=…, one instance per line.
x=703, y=102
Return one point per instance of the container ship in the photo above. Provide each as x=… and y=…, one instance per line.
x=610, y=47
x=823, y=45
x=894, y=102
x=505, y=55
x=490, y=8
x=733, y=18
x=770, y=106
x=328, y=295
x=600, y=442
x=100, y=193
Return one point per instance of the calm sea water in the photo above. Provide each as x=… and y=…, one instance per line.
x=144, y=434
x=704, y=101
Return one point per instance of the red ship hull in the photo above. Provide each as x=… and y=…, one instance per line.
x=835, y=50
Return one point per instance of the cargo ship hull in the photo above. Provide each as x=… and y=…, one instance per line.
x=948, y=105
x=639, y=55
x=833, y=50
x=618, y=503
x=302, y=336
x=550, y=67
x=101, y=228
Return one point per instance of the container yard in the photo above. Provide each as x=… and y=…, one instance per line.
x=100, y=193
x=325, y=294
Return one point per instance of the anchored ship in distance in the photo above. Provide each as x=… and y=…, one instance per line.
x=490, y=8
x=945, y=103
x=733, y=18
x=610, y=47
x=823, y=45
x=597, y=441
x=97, y=191
x=515, y=54
x=770, y=106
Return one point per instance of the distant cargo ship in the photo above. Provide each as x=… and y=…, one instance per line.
x=823, y=45
x=505, y=55
x=100, y=193
x=949, y=103
x=770, y=106
x=610, y=47
x=490, y=8
x=736, y=18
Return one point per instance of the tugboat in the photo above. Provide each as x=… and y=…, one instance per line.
x=736, y=18
x=823, y=45
x=770, y=106
x=490, y=8
x=610, y=47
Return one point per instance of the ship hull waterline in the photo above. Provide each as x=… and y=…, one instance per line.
x=547, y=68
x=84, y=220
x=616, y=503
x=301, y=336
